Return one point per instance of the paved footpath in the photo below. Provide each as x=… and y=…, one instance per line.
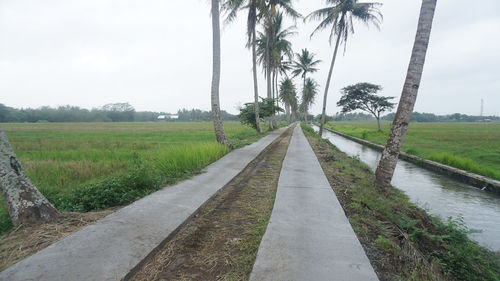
x=115, y=245
x=308, y=236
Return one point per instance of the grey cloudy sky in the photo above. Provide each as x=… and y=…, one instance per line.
x=156, y=55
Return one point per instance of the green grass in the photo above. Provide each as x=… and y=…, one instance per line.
x=473, y=147
x=84, y=166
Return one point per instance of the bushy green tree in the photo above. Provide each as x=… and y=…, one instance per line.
x=267, y=107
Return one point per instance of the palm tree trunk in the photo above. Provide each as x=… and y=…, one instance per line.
x=255, y=85
x=388, y=161
x=220, y=134
x=24, y=202
x=323, y=112
x=276, y=96
x=268, y=74
x=287, y=112
x=305, y=107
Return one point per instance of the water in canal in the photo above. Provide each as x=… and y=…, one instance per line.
x=437, y=193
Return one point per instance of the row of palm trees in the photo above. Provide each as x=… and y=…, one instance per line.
x=271, y=46
x=273, y=51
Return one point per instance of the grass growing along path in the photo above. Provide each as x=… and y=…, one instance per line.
x=85, y=166
x=473, y=147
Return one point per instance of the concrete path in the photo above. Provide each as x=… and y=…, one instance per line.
x=308, y=236
x=115, y=245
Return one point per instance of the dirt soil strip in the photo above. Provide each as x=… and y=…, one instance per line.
x=221, y=241
x=25, y=240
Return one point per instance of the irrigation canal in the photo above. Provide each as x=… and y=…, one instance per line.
x=439, y=194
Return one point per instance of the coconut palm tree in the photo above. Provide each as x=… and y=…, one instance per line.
x=277, y=48
x=269, y=14
x=389, y=158
x=253, y=6
x=24, y=202
x=220, y=134
x=309, y=93
x=304, y=64
x=288, y=94
x=339, y=17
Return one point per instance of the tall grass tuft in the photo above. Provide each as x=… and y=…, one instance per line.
x=464, y=164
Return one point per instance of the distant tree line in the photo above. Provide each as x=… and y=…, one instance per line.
x=186, y=115
x=416, y=117
x=113, y=112
x=456, y=117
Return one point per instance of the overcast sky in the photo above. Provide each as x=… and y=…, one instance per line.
x=156, y=55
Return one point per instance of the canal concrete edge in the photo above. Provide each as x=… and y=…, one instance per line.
x=481, y=182
x=114, y=246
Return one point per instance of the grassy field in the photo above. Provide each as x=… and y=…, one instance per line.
x=85, y=166
x=474, y=147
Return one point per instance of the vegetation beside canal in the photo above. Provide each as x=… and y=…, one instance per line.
x=473, y=147
x=88, y=166
x=402, y=241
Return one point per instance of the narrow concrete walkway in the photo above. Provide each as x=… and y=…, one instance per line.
x=112, y=247
x=308, y=236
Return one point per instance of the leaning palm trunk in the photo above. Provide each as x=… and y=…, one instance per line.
x=388, y=162
x=323, y=113
x=255, y=85
x=24, y=202
x=219, y=128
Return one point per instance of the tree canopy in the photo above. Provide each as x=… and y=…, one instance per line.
x=363, y=96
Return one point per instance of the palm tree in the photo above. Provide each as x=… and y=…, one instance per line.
x=309, y=93
x=304, y=64
x=253, y=6
x=288, y=95
x=276, y=48
x=269, y=14
x=339, y=18
x=389, y=158
x=220, y=134
x=25, y=203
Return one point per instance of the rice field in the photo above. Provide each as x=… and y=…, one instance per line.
x=63, y=157
x=474, y=147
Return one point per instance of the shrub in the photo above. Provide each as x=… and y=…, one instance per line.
x=266, y=108
x=112, y=192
